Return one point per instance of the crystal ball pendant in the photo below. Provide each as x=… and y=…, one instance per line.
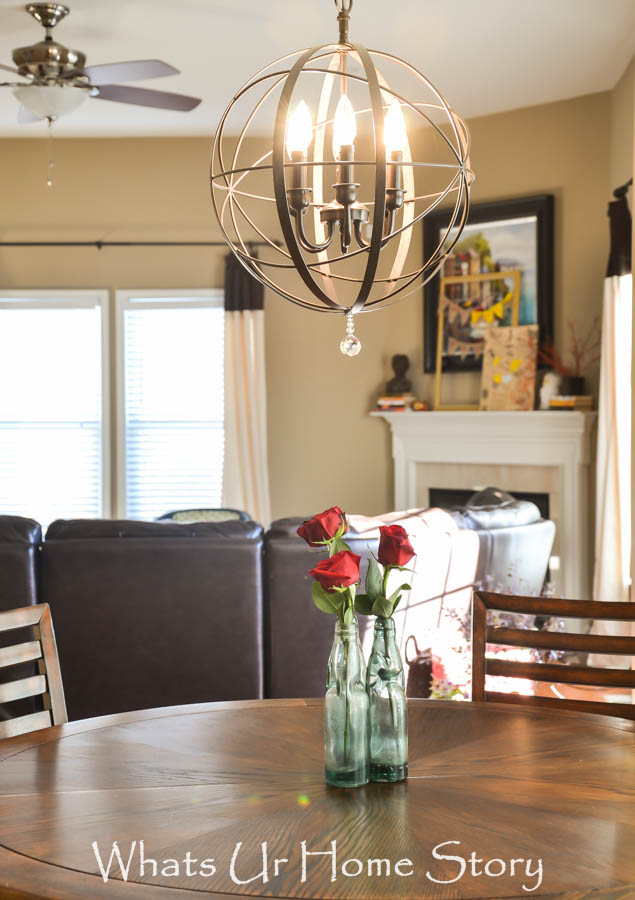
x=351, y=344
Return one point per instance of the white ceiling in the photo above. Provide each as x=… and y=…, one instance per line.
x=485, y=55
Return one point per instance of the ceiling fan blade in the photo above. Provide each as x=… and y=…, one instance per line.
x=26, y=117
x=9, y=69
x=143, y=97
x=135, y=70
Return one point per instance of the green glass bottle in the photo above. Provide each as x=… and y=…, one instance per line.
x=346, y=711
x=388, y=709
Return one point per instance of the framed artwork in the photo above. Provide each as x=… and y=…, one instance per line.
x=468, y=306
x=508, y=379
x=504, y=235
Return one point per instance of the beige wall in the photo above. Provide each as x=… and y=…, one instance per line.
x=323, y=447
x=622, y=132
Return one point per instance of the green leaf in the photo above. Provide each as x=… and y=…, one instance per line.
x=349, y=615
x=373, y=580
x=395, y=594
x=382, y=607
x=337, y=545
x=321, y=598
x=337, y=598
x=364, y=605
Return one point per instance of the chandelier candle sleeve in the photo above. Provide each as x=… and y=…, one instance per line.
x=395, y=137
x=299, y=136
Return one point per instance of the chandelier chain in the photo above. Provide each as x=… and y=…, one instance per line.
x=343, y=15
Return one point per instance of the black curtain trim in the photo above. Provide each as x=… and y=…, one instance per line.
x=242, y=289
x=621, y=228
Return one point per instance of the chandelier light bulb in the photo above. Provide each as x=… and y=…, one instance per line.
x=299, y=129
x=395, y=135
x=344, y=127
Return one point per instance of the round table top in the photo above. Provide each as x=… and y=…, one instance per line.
x=502, y=801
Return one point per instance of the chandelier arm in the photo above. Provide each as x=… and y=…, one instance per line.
x=439, y=197
x=359, y=237
x=279, y=180
x=303, y=240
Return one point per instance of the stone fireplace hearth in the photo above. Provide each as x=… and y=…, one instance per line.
x=546, y=452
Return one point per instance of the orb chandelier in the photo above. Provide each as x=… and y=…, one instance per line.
x=358, y=148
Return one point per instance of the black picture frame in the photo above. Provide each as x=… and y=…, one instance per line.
x=541, y=206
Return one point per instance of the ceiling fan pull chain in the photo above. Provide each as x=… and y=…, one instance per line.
x=49, y=147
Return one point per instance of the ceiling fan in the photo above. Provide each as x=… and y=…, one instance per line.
x=57, y=79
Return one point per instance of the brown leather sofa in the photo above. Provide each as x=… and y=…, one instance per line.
x=19, y=542
x=154, y=613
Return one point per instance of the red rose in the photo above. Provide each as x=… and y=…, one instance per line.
x=394, y=547
x=340, y=570
x=323, y=527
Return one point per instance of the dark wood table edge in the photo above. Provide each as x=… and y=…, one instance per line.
x=11, y=746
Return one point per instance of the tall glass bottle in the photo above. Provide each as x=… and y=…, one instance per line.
x=346, y=711
x=388, y=710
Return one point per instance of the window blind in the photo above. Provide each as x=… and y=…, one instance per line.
x=173, y=404
x=51, y=440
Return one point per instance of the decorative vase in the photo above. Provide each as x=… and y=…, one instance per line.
x=346, y=711
x=573, y=385
x=388, y=709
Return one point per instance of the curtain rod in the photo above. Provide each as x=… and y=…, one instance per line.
x=100, y=244
x=621, y=191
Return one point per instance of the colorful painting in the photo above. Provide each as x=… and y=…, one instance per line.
x=508, y=380
x=513, y=235
x=470, y=304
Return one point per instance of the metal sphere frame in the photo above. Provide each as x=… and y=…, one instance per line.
x=319, y=276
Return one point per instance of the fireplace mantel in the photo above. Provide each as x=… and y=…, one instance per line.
x=559, y=442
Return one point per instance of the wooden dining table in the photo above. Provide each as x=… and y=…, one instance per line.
x=229, y=799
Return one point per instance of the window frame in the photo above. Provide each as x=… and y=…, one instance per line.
x=211, y=298
x=88, y=298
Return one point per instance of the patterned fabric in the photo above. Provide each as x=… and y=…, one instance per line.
x=205, y=515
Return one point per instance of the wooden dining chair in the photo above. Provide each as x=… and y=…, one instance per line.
x=483, y=634
x=47, y=683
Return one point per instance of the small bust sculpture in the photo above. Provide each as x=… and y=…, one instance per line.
x=399, y=384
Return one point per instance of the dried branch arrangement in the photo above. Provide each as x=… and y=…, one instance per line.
x=584, y=351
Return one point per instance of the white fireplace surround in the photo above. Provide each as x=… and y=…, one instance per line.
x=541, y=451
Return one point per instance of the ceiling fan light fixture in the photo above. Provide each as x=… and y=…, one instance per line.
x=50, y=102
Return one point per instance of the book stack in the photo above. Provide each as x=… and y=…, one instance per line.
x=394, y=402
x=582, y=402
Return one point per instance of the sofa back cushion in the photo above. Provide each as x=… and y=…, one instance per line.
x=154, y=614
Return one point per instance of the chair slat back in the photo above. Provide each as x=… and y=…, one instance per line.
x=47, y=683
x=483, y=634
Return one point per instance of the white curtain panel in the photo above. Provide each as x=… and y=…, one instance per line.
x=246, y=469
x=613, y=489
